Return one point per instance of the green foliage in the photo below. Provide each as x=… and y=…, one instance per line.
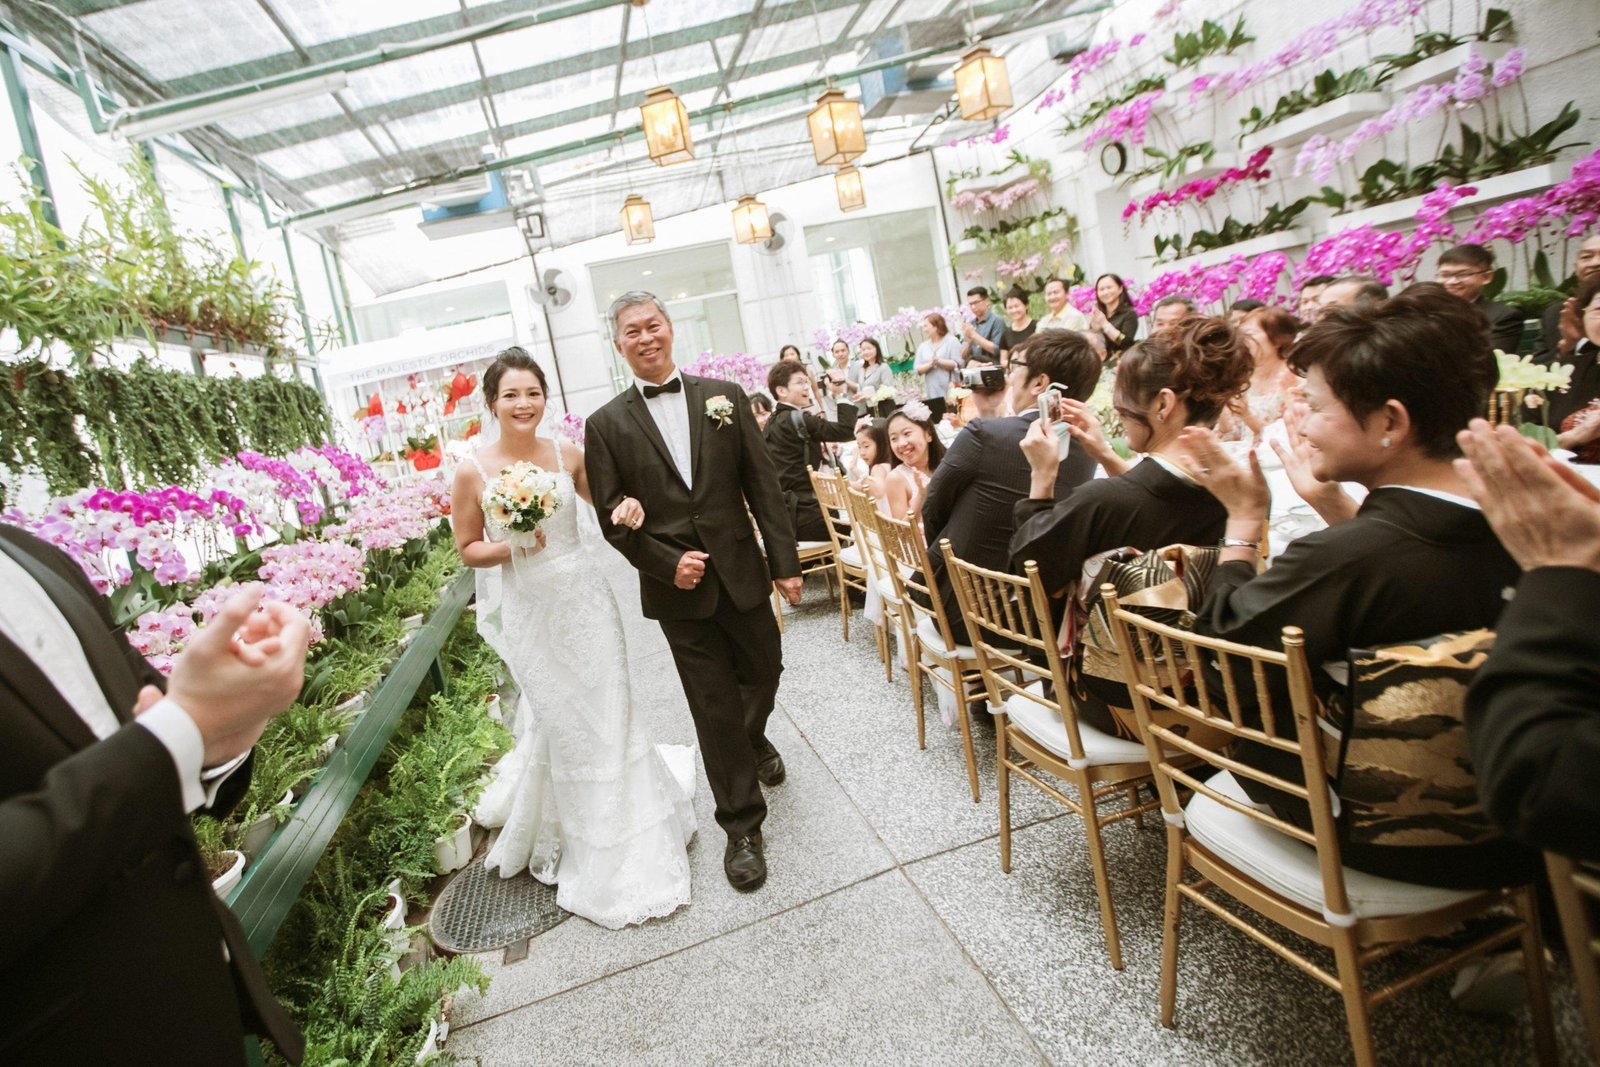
x=1324, y=88
x=1211, y=39
x=1096, y=110
x=1170, y=166
x=1278, y=217
x=128, y=271
x=1478, y=156
x=1497, y=26
x=146, y=425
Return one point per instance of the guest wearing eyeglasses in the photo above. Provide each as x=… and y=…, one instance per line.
x=1466, y=271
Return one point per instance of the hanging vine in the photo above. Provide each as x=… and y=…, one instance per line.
x=146, y=425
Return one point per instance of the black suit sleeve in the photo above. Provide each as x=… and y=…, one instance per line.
x=1505, y=327
x=758, y=478
x=956, y=471
x=1057, y=538
x=843, y=428
x=1549, y=334
x=1533, y=714
x=96, y=813
x=649, y=555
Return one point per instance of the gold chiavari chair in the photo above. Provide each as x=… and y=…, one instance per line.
x=1289, y=875
x=931, y=651
x=864, y=521
x=1013, y=632
x=849, y=561
x=1576, y=886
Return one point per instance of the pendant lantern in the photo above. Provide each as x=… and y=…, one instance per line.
x=847, y=184
x=837, y=135
x=638, y=225
x=750, y=222
x=982, y=85
x=666, y=127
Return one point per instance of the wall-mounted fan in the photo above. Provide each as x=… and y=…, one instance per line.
x=780, y=234
x=554, y=290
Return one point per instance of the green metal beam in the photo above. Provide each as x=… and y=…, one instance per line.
x=299, y=295
x=22, y=112
x=539, y=74
x=273, y=883
x=233, y=219
x=365, y=60
x=333, y=295
x=798, y=91
x=344, y=295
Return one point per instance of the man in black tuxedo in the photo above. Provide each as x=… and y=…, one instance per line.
x=1561, y=328
x=688, y=449
x=972, y=494
x=795, y=437
x=1466, y=271
x=113, y=947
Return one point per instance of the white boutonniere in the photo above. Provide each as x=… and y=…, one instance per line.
x=719, y=409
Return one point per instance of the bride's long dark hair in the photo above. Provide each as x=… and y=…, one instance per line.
x=513, y=358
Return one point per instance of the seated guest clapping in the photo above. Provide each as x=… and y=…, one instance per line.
x=972, y=496
x=1388, y=388
x=1533, y=712
x=1182, y=376
x=795, y=437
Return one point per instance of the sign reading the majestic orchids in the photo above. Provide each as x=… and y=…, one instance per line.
x=982, y=85
x=847, y=184
x=837, y=135
x=666, y=127
x=750, y=221
x=638, y=225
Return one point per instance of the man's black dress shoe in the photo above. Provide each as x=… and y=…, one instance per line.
x=745, y=864
x=769, y=768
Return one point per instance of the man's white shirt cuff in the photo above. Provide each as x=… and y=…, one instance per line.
x=181, y=738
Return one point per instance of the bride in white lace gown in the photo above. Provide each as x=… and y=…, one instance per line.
x=585, y=801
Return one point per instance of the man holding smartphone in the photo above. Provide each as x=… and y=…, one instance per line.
x=795, y=439
x=972, y=496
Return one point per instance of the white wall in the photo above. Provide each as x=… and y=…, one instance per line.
x=1562, y=38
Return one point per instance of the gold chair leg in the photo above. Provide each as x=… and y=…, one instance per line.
x=1544, y=1029
x=886, y=651
x=1004, y=787
x=964, y=715
x=1169, y=932
x=1097, y=857
x=844, y=606
x=1133, y=802
x=1353, y=990
x=916, y=695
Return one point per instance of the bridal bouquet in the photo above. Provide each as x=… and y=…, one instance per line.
x=518, y=500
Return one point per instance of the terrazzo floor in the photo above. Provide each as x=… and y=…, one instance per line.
x=887, y=933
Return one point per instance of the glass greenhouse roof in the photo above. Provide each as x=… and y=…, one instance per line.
x=396, y=97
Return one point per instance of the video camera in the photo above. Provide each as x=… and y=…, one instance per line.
x=985, y=378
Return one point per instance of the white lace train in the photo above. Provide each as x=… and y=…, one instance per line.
x=585, y=801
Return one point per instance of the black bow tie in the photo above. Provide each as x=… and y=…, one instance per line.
x=652, y=391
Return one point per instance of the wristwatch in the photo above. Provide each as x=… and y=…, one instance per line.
x=1236, y=542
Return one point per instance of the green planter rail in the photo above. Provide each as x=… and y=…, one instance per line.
x=273, y=882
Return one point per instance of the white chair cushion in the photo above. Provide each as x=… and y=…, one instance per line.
x=1289, y=868
x=806, y=546
x=850, y=556
x=886, y=590
x=928, y=634
x=1045, y=726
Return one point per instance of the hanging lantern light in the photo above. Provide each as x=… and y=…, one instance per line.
x=750, y=221
x=847, y=183
x=666, y=127
x=982, y=85
x=837, y=135
x=637, y=223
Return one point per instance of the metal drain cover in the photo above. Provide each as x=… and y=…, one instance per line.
x=479, y=910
